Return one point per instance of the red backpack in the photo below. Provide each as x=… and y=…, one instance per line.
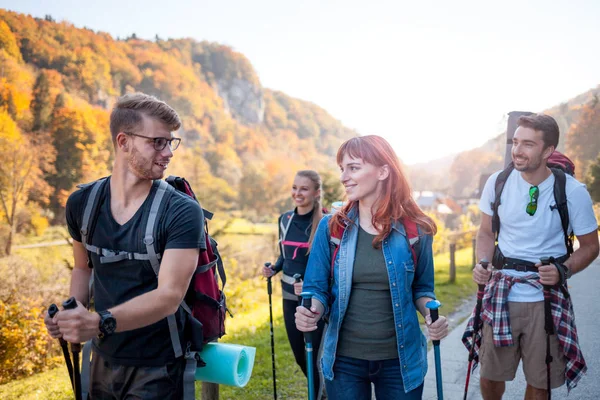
x=206, y=300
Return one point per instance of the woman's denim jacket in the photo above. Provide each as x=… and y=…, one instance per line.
x=407, y=284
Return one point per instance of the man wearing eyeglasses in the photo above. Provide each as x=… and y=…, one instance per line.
x=133, y=350
x=530, y=228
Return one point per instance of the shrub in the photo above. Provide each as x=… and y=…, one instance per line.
x=25, y=346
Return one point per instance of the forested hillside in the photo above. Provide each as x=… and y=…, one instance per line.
x=579, y=123
x=242, y=142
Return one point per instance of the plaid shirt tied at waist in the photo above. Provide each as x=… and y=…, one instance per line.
x=494, y=311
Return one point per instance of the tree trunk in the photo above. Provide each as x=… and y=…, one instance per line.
x=9, y=241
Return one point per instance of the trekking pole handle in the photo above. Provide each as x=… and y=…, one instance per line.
x=297, y=278
x=52, y=310
x=70, y=304
x=433, y=306
x=307, y=303
x=269, y=287
x=484, y=263
x=545, y=260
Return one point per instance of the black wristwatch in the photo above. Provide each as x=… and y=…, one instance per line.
x=107, y=324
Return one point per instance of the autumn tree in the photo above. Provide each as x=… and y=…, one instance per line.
x=15, y=87
x=331, y=188
x=8, y=42
x=47, y=86
x=20, y=171
x=593, y=179
x=81, y=139
x=582, y=140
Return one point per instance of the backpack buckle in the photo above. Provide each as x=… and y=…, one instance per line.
x=130, y=256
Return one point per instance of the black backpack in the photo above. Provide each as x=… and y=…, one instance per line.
x=560, y=165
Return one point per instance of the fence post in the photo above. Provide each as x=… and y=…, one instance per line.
x=452, y=262
x=474, y=244
x=210, y=391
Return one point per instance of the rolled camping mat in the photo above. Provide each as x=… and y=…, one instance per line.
x=226, y=364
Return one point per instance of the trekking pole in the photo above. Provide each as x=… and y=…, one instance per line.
x=476, y=321
x=308, y=338
x=433, y=306
x=71, y=304
x=548, y=326
x=52, y=310
x=270, y=292
x=298, y=279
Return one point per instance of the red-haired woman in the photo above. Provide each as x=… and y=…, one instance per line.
x=296, y=232
x=373, y=335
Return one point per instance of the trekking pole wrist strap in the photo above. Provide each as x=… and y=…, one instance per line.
x=564, y=272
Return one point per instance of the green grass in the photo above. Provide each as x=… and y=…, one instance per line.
x=242, y=226
x=451, y=295
x=250, y=327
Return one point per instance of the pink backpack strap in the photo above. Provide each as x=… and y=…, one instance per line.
x=297, y=245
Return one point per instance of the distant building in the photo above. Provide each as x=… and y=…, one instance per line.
x=436, y=202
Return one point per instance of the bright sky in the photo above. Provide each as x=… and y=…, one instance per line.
x=433, y=77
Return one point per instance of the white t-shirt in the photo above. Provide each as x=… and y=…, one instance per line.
x=530, y=237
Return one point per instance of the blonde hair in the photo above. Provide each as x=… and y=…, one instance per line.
x=126, y=115
x=317, y=206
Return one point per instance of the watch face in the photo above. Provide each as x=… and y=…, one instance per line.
x=109, y=325
x=569, y=272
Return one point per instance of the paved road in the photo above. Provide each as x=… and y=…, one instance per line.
x=584, y=287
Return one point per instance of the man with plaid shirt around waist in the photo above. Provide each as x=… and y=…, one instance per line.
x=513, y=304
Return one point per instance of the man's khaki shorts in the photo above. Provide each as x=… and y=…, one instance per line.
x=527, y=325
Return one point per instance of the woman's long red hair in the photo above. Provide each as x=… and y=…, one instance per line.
x=395, y=202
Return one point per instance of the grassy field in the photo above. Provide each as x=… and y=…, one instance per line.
x=250, y=326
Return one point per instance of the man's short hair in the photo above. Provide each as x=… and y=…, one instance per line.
x=127, y=113
x=543, y=123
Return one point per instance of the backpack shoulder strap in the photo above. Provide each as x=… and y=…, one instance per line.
x=284, y=225
x=412, y=236
x=162, y=195
x=560, y=197
x=90, y=212
x=498, y=187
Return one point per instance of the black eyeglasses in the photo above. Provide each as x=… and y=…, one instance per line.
x=534, y=192
x=160, y=142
